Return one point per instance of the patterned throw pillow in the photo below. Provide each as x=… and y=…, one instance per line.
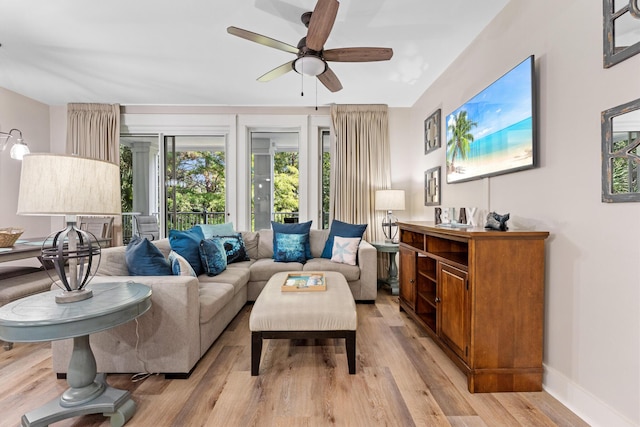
x=290, y=247
x=187, y=244
x=302, y=228
x=234, y=245
x=143, y=258
x=213, y=256
x=179, y=265
x=342, y=229
x=345, y=249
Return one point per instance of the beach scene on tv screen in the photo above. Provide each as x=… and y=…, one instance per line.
x=492, y=133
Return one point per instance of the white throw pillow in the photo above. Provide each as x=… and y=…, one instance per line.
x=180, y=266
x=345, y=249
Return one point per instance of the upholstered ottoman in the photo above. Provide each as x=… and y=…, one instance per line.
x=304, y=315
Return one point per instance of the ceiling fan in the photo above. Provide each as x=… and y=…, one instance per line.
x=311, y=57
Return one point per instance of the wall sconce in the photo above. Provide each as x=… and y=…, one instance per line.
x=19, y=148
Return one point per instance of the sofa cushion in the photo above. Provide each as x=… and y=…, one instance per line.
x=302, y=228
x=144, y=259
x=290, y=247
x=213, y=298
x=213, y=256
x=211, y=230
x=250, y=239
x=317, y=239
x=264, y=268
x=234, y=246
x=236, y=277
x=187, y=244
x=345, y=249
x=350, y=272
x=265, y=244
x=179, y=265
x=342, y=229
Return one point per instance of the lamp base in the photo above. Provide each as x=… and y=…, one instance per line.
x=73, y=296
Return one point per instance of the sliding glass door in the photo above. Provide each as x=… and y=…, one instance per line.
x=195, y=183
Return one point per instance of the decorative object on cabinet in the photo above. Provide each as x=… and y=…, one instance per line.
x=432, y=132
x=621, y=27
x=57, y=185
x=621, y=153
x=432, y=187
x=462, y=219
x=497, y=222
x=438, y=215
x=473, y=290
x=495, y=132
x=390, y=200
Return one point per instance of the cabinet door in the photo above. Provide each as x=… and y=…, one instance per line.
x=453, y=309
x=408, y=276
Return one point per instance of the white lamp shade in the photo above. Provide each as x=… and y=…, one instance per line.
x=390, y=200
x=309, y=65
x=52, y=184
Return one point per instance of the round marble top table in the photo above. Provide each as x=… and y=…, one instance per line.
x=40, y=318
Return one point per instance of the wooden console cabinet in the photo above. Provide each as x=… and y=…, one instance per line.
x=480, y=295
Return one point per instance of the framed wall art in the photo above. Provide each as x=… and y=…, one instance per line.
x=432, y=195
x=432, y=132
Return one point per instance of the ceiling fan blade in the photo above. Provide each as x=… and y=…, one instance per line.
x=330, y=80
x=276, y=72
x=358, y=54
x=321, y=23
x=263, y=40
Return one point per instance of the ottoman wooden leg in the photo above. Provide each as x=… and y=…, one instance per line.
x=256, y=352
x=350, y=342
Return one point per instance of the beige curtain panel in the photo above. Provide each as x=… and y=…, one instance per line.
x=360, y=167
x=93, y=131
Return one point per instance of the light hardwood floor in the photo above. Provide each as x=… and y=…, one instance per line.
x=403, y=379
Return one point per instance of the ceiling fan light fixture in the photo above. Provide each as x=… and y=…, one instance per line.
x=309, y=65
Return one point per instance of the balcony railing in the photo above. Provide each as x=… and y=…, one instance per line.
x=186, y=220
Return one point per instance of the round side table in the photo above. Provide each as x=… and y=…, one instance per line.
x=39, y=318
x=392, y=276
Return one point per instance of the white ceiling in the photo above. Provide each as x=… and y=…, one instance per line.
x=177, y=52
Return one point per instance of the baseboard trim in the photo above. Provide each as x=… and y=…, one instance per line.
x=592, y=410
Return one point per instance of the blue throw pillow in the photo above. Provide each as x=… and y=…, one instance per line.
x=342, y=229
x=143, y=258
x=211, y=230
x=302, y=228
x=234, y=246
x=213, y=256
x=290, y=247
x=187, y=244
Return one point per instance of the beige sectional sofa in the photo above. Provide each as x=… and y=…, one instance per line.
x=188, y=313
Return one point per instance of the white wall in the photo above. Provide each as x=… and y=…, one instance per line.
x=32, y=118
x=592, y=317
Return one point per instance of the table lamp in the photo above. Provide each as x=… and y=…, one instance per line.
x=52, y=185
x=389, y=200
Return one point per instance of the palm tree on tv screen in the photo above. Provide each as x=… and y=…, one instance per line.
x=461, y=138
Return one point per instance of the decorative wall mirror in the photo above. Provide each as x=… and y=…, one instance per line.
x=621, y=153
x=432, y=187
x=621, y=30
x=432, y=132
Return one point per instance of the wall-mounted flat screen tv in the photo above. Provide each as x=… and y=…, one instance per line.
x=495, y=131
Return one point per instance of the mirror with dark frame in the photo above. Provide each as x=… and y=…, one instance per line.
x=432, y=195
x=621, y=30
x=621, y=153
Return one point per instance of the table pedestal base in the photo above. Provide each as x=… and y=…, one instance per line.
x=113, y=403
